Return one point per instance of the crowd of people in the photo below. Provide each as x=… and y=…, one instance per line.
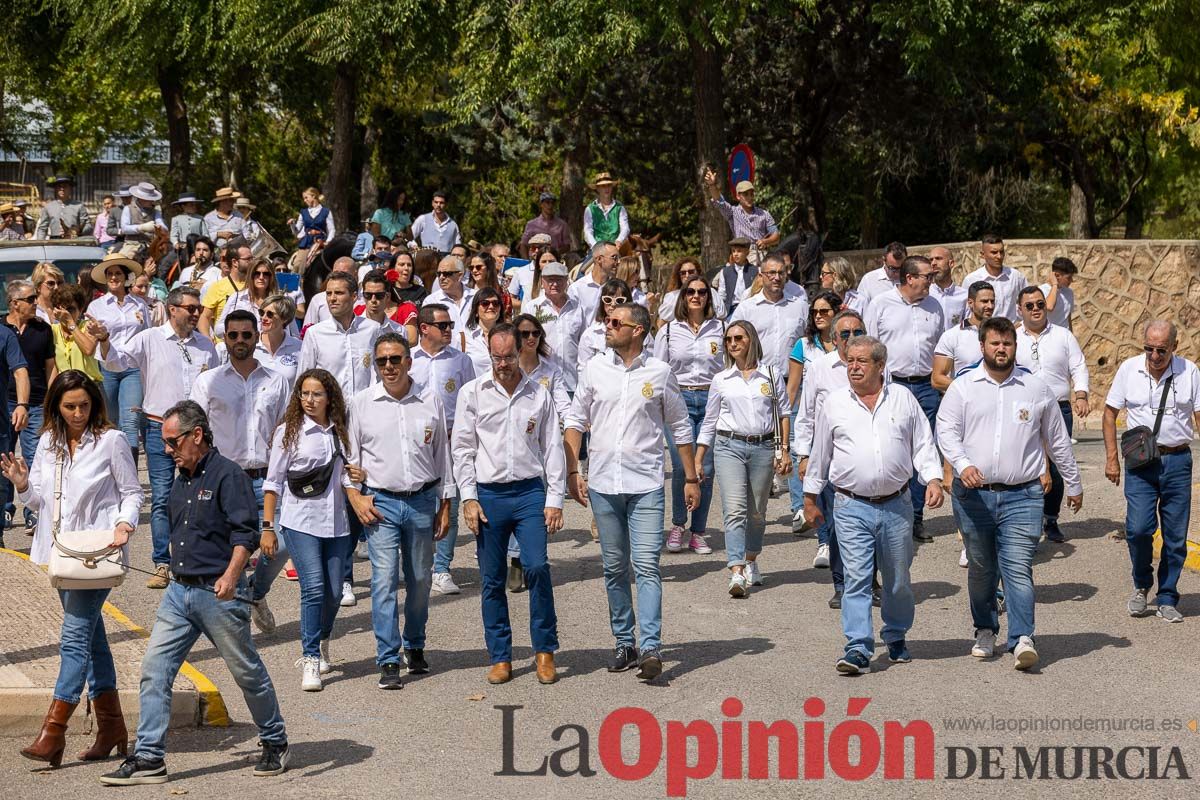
x=285, y=432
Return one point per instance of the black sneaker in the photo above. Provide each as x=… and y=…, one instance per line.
x=625, y=656
x=919, y=531
x=415, y=661
x=516, y=576
x=650, y=665
x=1053, y=532
x=836, y=600
x=273, y=759
x=854, y=663
x=898, y=652
x=876, y=597
x=389, y=677
x=135, y=770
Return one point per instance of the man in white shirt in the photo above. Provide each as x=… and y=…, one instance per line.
x=1053, y=354
x=943, y=289
x=245, y=402
x=1158, y=494
x=886, y=277
x=997, y=425
x=778, y=319
x=1007, y=281
x=909, y=323
x=318, y=307
x=958, y=348
x=868, y=443
x=452, y=293
x=436, y=229
x=562, y=318
x=1060, y=297
x=171, y=358
x=586, y=290
x=511, y=471
x=626, y=398
x=398, y=439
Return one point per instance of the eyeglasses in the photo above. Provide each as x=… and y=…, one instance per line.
x=617, y=324
x=263, y=274
x=529, y=334
x=236, y=336
x=1158, y=351
x=441, y=326
x=190, y=308
x=736, y=339
x=173, y=441
x=701, y=292
x=389, y=361
x=312, y=395
x=825, y=272
x=374, y=295
x=822, y=312
x=614, y=300
x=772, y=274
x=447, y=274
x=52, y=282
x=504, y=359
x=269, y=314
x=688, y=273
x=1039, y=304
x=843, y=335
x=489, y=304
x=28, y=299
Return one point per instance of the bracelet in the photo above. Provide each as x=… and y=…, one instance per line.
x=23, y=405
x=569, y=474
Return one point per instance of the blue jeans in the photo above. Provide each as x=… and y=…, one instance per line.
x=744, y=473
x=928, y=398
x=696, y=403
x=1054, y=498
x=83, y=646
x=829, y=528
x=402, y=541
x=1159, y=497
x=28, y=440
x=1001, y=530
x=161, y=468
x=630, y=527
x=871, y=534
x=515, y=509
x=269, y=567
x=184, y=614
x=319, y=564
x=123, y=398
x=356, y=536
x=444, y=548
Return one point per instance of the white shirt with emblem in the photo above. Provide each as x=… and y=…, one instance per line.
x=285, y=361
x=953, y=300
x=123, y=320
x=550, y=376
x=401, y=444
x=243, y=412
x=563, y=328
x=325, y=515
x=779, y=325
x=743, y=404
x=458, y=311
x=1135, y=390
x=445, y=373
x=345, y=353
x=910, y=331
x=694, y=356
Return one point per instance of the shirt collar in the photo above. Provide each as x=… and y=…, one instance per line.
x=380, y=392
x=311, y=424
x=523, y=385
x=170, y=334
x=616, y=359
x=980, y=375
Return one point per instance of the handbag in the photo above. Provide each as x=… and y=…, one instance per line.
x=314, y=482
x=1139, y=445
x=82, y=559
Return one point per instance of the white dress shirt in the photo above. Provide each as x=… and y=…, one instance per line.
x=586, y=292
x=550, y=376
x=694, y=356
x=445, y=373
x=169, y=365
x=627, y=409
x=207, y=276
x=872, y=452
x=743, y=405
x=238, y=301
x=563, y=328
x=507, y=438
x=1004, y=430
x=591, y=344
x=100, y=488
x=666, y=306
x=123, y=320
x=345, y=353
x=1054, y=356
x=953, y=300
x=285, y=361
x=1135, y=390
x=459, y=312
x=824, y=374
x=317, y=310
x=960, y=343
x=243, y=412
x=910, y=331
x=301, y=230
x=520, y=282
x=1061, y=313
x=322, y=515
x=1008, y=285
x=401, y=444
x=779, y=325
x=477, y=349
x=875, y=283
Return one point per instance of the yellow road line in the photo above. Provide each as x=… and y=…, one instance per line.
x=1192, y=561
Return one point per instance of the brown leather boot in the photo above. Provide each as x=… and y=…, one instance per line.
x=546, y=673
x=52, y=739
x=501, y=672
x=110, y=728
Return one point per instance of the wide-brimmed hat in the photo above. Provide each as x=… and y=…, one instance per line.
x=186, y=197
x=145, y=191
x=225, y=193
x=244, y=202
x=603, y=179
x=7, y=208
x=54, y=180
x=115, y=259
x=123, y=192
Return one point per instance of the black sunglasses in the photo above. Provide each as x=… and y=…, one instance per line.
x=374, y=295
x=1158, y=351
x=384, y=361
x=442, y=326
x=850, y=334
x=1035, y=304
x=529, y=334
x=235, y=336
x=701, y=292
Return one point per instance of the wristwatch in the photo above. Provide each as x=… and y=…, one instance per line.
x=23, y=405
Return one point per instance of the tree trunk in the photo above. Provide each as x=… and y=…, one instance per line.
x=368, y=189
x=1135, y=217
x=868, y=229
x=814, y=208
x=179, y=136
x=1081, y=176
x=1078, y=211
x=576, y=158
x=337, y=182
x=227, y=170
x=708, y=98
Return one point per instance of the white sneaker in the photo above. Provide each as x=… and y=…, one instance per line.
x=962, y=558
x=264, y=620
x=753, y=573
x=737, y=585
x=985, y=644
x=444, y=584
x=1026, y=656
x=311, y=680
x=779, y=486
x=348, y=598
x=325, y=659
x=361, y=552
x=821, y=560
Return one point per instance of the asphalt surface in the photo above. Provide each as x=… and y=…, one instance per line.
x=442, y=735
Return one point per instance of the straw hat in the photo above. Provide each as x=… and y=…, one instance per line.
x=115, y=259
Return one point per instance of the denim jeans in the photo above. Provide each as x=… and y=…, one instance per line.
x=161, y=468
x=83, y=646
x=829, y=528
x=871, y=534
x=515, y=509
x=269, y=567
x=356, y=536
x=631, y=527
x=319, y=564
x=444, y=548
x=929, y=399
x=123, y=398
x=402, y=541
x=744, y=473
x=1001, y=530
x=28, y=440
x=696, y=403
x=184, y=614
x=1054, y=498
x=1159, y=497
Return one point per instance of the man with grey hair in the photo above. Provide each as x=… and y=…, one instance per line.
x=586, y=290
x=36, y=341
x=1160, y=393
x=869, y=443
x=778, y=316
x=456, y=296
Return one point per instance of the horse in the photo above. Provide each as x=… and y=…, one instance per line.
x=638, y=245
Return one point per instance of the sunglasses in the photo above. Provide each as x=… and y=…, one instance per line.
x=52, y=282
x=269, y=314
x=617, y=324
x=843, y=335
x=738, y=339
x=1035, y=304
x=529, y=334
x=28, y=299
x=389, y=361
x=614, y=300
x=374, y=295
x=701, y=292
x=489, y=304
x=235, y=336
x=190, y=309
x=447, y=274
x=262, y=274
x=822, y=312
x=825, y=272
x=1158, y=351
x=442, y=326
x=688, y=273
x=173, y=441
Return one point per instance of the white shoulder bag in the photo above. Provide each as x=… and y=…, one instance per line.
x=82, y=559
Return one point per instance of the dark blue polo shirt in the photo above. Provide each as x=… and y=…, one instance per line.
x=11, y=358
x=212, y=511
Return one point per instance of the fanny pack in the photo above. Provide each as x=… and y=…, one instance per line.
x=1139, y=445
x=314, y=482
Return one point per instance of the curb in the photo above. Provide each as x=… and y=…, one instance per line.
x=1192, y=562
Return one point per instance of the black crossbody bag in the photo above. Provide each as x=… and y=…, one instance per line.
x=1139, y=445
x=313, y=482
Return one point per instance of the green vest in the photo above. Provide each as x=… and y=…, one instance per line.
x=606, y=227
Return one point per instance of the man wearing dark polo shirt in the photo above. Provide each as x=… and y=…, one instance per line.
x=214, y=529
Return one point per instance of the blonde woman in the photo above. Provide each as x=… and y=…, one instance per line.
x=314, y=223
x=838, y=277
x=46, y=278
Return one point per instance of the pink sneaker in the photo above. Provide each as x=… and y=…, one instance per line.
x=698, y=545
x=675, y=539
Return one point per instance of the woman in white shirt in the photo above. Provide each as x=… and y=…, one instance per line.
x=534, y=357
x=99, y=490
x=315, y=527
x=613, y=293
x=278, y=350
x=486, y=310
x=746, y=427
x=259, y=288
x=691, y=344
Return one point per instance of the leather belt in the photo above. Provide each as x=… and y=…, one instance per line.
x=1178, y=448
x=425, y=488
x=911, y=378
x=883, y=498
x=748, y=439
x=703, y=388
x=153, y=418
x=258, y=473
x=1007, y=487
x=195, y=580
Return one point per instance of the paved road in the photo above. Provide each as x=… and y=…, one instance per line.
x=442, y=735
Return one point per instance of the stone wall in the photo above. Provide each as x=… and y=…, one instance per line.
x=1120, y=286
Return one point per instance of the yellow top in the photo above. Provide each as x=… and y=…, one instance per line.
x=216, y=297
x=67, y=355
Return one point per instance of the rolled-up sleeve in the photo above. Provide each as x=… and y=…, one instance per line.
x=277, y=464
x=237, y=500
